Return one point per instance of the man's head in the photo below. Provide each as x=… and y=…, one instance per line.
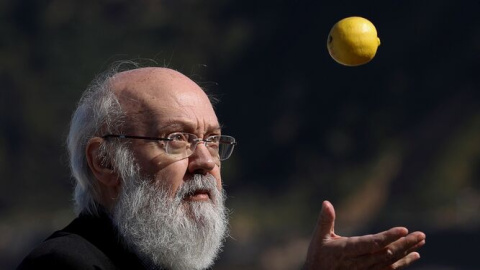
x=153, y=174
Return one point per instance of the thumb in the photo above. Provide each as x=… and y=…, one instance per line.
x=326, y=221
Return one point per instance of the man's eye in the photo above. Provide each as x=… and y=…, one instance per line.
x=214, y=139
x=179, y=137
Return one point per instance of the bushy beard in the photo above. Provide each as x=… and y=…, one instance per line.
x=167, y=232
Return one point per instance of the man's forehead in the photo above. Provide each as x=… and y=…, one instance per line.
x=144, y=85
x=151, y=80
x=153, y=94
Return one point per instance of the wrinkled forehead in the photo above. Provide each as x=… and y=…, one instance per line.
x=159, y=94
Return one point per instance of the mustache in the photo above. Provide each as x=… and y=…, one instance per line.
x=198, y=182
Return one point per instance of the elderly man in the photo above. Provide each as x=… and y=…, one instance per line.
x=146, y=149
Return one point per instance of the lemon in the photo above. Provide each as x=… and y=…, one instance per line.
x=353, y=41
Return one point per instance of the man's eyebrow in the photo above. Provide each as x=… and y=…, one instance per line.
x=181, y=125
x=175, y=125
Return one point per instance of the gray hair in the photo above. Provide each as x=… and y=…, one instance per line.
x=98, y=111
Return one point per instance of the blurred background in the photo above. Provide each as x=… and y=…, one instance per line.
x=394, y=142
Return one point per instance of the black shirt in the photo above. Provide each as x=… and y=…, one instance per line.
x=88, y=242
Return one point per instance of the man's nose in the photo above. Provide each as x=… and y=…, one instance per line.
x=201, y=161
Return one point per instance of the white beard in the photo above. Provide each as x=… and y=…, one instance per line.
x=170, y=232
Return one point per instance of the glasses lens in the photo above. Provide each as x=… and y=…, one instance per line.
x=182, y=145
x=225, y=146
x=179, y=145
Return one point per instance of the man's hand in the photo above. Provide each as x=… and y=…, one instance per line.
x=392, y=249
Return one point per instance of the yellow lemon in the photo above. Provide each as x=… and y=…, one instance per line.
x=353, y=41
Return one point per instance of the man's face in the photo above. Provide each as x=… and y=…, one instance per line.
x=169, y=210
x=159, y=102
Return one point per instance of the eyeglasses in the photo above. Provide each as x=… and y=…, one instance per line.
x=181, y=145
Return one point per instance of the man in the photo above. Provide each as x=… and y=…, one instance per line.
x=146, y=149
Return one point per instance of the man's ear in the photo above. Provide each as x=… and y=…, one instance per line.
x=100, y=166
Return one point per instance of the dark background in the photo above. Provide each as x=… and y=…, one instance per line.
x=394, y=142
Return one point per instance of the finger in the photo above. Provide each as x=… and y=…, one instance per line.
x=416, y=246
x=411, y=254
x=326, y=222
x=368, y=244
x=405, y=261
x=397, y=253
x=408, y=244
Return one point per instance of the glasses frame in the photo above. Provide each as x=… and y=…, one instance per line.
x=196, y=141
